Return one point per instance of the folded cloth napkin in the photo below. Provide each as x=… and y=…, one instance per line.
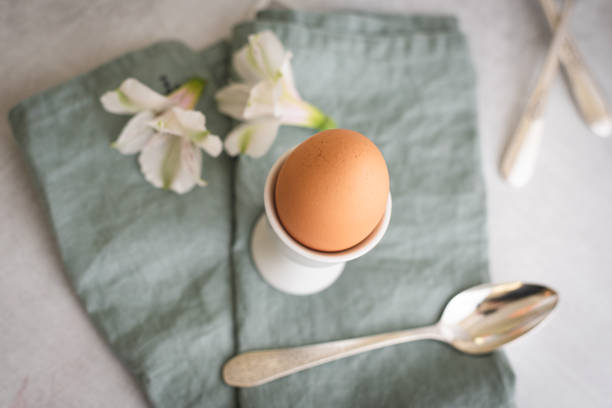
x=151, y=267
x=408, y=84
x=168, y=279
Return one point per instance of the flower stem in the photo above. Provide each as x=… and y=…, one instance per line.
x=326, y=123
x=320, y=121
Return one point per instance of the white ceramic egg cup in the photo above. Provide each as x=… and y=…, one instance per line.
x=291, y=267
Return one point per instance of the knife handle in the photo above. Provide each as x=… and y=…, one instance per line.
x=587, y=95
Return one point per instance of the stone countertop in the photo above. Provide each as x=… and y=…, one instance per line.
x=555, y=230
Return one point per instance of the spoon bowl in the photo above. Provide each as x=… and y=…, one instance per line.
x=485, y=317
x=475, y=321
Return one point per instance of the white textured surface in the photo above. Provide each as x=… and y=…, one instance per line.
x=556, y=230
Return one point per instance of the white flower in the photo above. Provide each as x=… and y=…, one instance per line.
x=268, y=90
x=165, y=131
x=252, y=138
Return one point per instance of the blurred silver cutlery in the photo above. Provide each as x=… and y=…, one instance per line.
x=521, y=152
x=587, y=95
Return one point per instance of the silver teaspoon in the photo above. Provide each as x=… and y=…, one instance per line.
x=475, y=321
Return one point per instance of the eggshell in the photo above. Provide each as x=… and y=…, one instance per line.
x=332, y=190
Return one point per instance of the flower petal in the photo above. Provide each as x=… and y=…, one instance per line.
x=232, y=99
x=190, y=170
x=261, y=58
x=263, y=100
x=143, y=97
x=135, y=134
x=246, y=66
x=153, y=157
x=243, y=102
x=211, y=144
x=116, y=102
x=252, y=138
x=166, y=123
x=296, y=113
x=179, y=122
x=190, y=119
x=171, y=162
x=190, y=125
x=193, y=124
x=269, y=52
x=301, y=113
x=288, y=81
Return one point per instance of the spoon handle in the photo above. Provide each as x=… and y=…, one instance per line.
x=259, y=367
x=520, y=156
x=586, y=93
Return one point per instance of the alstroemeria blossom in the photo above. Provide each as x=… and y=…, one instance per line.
x=166, y=132
x=268, y=89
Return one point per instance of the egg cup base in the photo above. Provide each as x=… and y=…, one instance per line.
x=282, y=272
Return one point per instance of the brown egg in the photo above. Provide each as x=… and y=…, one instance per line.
x=332, y=190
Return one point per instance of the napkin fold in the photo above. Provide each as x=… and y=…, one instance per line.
x=168, y=279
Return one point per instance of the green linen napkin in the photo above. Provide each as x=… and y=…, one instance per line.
x=151, y=267
x=408, y=84
x=168, y=280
